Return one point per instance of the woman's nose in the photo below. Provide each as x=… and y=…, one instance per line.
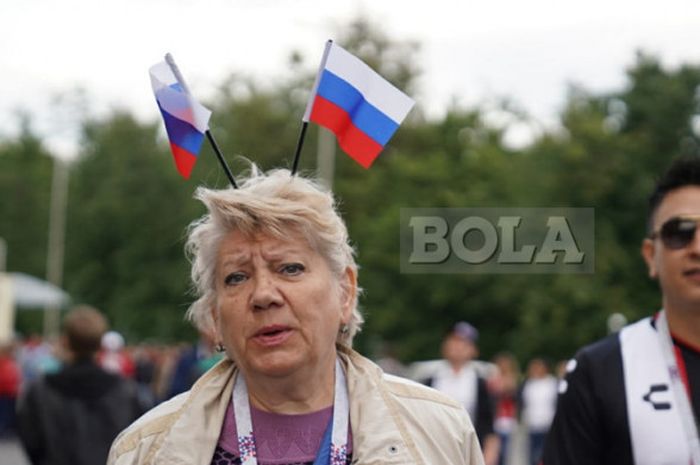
x=265, y=292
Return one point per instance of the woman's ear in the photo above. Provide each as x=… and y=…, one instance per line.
x=213, y=312
x=348, y=290
x=212, y=334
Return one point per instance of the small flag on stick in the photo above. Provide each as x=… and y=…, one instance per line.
x=359, y=106
x=186, y=120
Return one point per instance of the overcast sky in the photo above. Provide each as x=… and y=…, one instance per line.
x=471, y=51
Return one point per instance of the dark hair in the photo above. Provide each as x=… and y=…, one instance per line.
x=83, y=328
x=684, y=171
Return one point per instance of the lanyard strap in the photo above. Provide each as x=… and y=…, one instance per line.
x=324, y=450
x=680, y=394
x=334, y=447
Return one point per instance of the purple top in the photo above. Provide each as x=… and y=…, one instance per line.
x=279, y=439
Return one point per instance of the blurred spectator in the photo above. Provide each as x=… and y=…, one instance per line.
x=503, y=386
x=145, y=373
x=457, y=378
x=192, y=363
x=9, y=388
x=113, y=357
x=388, y=361
x=71, y=417
x=560, y=369
x=36, y=357
x=167, y=357
x=539, y=399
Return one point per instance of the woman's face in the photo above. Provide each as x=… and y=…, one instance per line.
x=278, y=307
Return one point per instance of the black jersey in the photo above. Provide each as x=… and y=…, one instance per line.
x=591, y=424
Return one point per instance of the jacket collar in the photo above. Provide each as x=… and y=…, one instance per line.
x=194, y=434
x=379, y=434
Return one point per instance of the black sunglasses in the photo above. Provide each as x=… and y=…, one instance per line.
x=677, y=232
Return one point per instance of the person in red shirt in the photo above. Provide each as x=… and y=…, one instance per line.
x=9, y=388
x=114, y=358
x=503, y=386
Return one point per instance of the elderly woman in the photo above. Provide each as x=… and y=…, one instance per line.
x=277, y=287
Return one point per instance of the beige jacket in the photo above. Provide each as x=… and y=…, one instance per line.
x=394, y=421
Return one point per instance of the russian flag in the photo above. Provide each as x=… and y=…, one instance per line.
x=186, y=120
x=359, y=106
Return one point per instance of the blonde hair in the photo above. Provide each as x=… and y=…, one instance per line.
x=272, y=203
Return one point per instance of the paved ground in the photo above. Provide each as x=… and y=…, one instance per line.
x=518, y=452
x=11, y=453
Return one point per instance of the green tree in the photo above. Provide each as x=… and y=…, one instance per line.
x=25, y=186
x=128, y=210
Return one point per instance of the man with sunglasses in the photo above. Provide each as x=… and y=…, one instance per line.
x=634, y=397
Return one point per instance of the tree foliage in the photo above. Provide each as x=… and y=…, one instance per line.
x=127, y=213
x=25, y=187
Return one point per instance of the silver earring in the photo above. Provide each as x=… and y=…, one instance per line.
x=219, y=347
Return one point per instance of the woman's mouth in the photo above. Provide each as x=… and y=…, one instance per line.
x=273, y=335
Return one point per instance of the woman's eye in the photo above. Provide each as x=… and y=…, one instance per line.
x=292, y=269
x=234, y=278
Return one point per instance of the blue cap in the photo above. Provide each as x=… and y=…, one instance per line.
x=466, y=331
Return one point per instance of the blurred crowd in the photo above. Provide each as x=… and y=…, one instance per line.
x=160, y=371
x=511, y=401
x=501, y=399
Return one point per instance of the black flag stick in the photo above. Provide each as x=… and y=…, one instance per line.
x=220, y=156
x=309, y=105
x=178, y=75
x=300, y=143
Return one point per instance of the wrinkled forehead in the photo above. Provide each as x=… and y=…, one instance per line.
x=678, y=202
x=274, y=242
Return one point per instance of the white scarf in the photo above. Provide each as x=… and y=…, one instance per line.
x=657, y=404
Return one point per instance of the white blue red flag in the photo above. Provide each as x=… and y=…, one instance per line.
x=359, y=106
x=186, y=120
